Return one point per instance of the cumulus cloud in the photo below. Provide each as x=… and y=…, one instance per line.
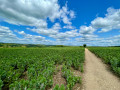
x=33, y=38
x=21, y=32
x=61, y=38
x=109, y=22
x=56, y=26
x=69, y=27
x=45, y=31
x=86, y=33
x=87, y=38
x=66, y=35
x=66, y=15
x=27, y=12
x=54, y=33
x=86, y=30
x=34, y=12
x=115, y=40
x=72, y=14
x=6, y=34
x=109, y=41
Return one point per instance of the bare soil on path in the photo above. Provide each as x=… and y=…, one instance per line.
x=97, y=75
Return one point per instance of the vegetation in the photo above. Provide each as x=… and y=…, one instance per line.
x=9, y=45
x=33, y=68
x=84, y=45
x=110, y=55
x=71, y=79
x=62, y=87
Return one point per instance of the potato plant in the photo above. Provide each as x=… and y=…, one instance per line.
x=71, y=79
x=33, y=68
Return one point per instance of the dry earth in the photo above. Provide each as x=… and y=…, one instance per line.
x=97, y=76
x=58, y=79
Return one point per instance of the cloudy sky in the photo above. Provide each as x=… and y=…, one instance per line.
x=60, y=22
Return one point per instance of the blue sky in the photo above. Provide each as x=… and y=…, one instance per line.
x=60, y=22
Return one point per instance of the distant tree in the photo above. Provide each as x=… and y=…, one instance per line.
x=59, y=46
x=1, y=45
x=84, y=45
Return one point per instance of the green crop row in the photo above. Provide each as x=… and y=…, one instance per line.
x=110, y=55
x=33, y=68
x=70, y=78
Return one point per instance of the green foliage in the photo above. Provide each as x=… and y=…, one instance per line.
x=9, y=45
x=39, y=64
x=1, y=84
x=84, y=45
x=62, y=87
x=71, y=79
x=110, y=55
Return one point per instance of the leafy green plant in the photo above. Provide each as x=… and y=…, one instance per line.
x=70, y=78
x=39, y=65
x=62, y=87
x=1, y=84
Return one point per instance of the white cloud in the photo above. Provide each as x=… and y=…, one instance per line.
x=109, y=41
x=66, y=20
x=26, y=12
x=22, y=33
x=45, y=31
x=72, y=14
x=69, y=27
x=87, y=38
x=65, y=36
x=64, y=13
x=54, y=33
x=115, y=40
x=6, y=34
x=87, y=34
x=56, y=26
x=86, y=30
x=30, y=37
x=34, y=12
x=109, y=22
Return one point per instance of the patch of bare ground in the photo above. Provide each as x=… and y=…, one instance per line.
x=24, y=76
x=76, y=73
x=6, y=86
x=57, y=78
x=77, y=86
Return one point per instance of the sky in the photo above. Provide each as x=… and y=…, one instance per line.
x=60, y=22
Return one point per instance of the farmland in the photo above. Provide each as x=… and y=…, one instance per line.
x=34, y=68
x=110, y=55
x=57, y=68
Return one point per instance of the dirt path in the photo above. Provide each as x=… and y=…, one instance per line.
x=97, y=76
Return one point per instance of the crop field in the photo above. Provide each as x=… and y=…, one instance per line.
x=34, y=68
x=110, y=55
